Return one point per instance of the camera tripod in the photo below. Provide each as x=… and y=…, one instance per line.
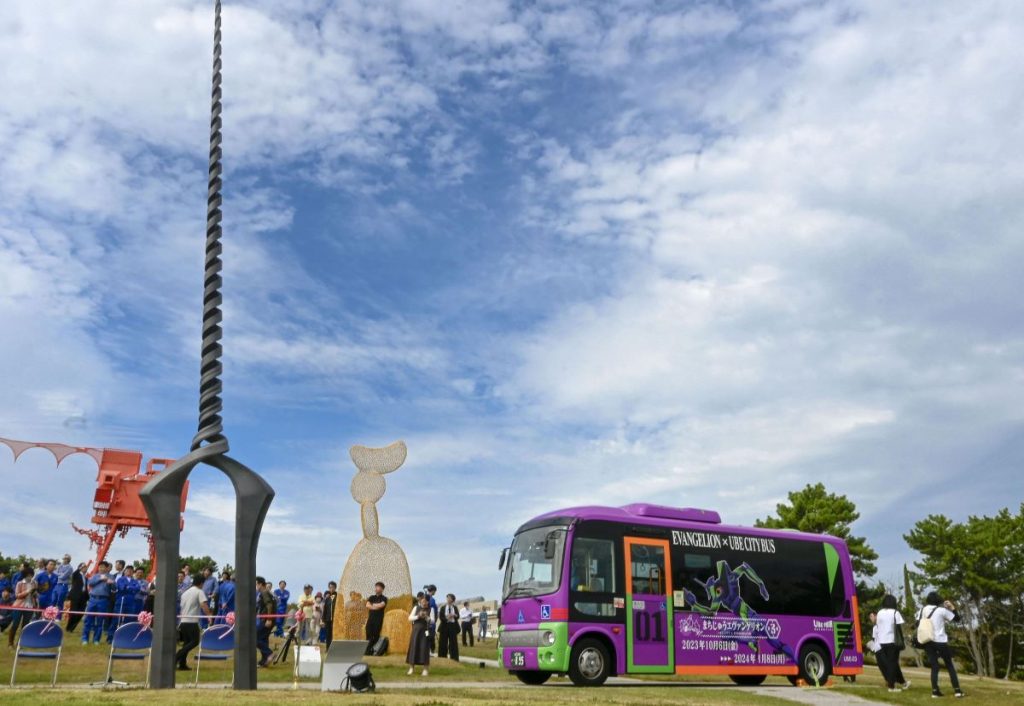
x=282, y=655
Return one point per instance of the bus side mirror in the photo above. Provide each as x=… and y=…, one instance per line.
x=550, y=542
x=501, y=559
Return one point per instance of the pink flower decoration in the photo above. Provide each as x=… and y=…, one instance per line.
x=145, y=619
x=230, y=618
x=51, y=613
x=299, y=616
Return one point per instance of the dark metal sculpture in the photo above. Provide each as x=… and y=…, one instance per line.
x=162, y=496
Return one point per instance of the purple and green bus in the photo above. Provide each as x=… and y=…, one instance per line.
x=594, y=592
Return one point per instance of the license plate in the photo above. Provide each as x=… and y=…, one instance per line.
x=517, y=659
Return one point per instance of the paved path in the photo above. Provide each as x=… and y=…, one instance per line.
x=477, y=660
x=812, y=697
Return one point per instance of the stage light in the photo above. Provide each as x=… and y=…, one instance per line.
x=358, y=678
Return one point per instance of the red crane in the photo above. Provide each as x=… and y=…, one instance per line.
x=116, y=504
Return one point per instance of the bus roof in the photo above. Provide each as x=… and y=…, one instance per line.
x=670, y=517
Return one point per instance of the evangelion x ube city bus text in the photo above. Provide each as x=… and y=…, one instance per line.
x=594, y=592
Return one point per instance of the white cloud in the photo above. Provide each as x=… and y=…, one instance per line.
x=756, y=247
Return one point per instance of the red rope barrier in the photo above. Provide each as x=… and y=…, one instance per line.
x=128, y=615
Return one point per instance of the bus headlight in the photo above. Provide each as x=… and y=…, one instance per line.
x=547, y=638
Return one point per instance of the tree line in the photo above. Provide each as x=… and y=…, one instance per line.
x=196, y=564
x=978, y=564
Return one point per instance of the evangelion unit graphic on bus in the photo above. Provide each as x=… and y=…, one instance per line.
x=598, y=591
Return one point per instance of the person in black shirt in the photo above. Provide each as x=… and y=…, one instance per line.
x=330, y=603
x=448, y=632
x=376, y=605
x=78, y=597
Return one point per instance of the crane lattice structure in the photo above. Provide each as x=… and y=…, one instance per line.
x=117, y=506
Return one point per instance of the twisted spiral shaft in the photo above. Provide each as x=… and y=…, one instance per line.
x=211, y=427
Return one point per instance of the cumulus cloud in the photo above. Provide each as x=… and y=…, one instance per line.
x=571, y=252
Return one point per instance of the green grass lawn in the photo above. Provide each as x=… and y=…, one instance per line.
x=487, y=650
x=81, y=665
x=980, y=691
x=553, y=696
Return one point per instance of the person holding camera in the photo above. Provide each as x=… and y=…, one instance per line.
x=940, y=612
x=421, y=618
x=25, y=592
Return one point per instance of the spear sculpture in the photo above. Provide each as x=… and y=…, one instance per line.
x=162, y=496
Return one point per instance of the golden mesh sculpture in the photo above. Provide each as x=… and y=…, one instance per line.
x=375, y=558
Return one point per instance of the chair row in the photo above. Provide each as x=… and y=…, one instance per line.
x=44, y=639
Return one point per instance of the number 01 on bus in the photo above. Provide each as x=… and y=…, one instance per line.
x=594, y=592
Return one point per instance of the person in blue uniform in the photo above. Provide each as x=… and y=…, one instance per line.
x=142, y=590
x=5, y=581
x=283, y=595
x=432, y=628
x=210, y=590
x=226, y=595
x=63, y=587
x=101, y=586
x=124, y=602
x=46, y=580
x=111, y=623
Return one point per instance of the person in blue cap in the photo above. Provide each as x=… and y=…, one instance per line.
x=124, y=601
x=101, y=587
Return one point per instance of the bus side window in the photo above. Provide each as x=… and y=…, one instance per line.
x=593, y=565
x=690, y=574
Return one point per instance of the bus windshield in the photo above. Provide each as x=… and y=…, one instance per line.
x=535, y=562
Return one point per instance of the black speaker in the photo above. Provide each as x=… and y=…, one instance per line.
x=358, y=678
x=380, y=647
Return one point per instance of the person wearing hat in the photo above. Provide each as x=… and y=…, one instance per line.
x=307, y=604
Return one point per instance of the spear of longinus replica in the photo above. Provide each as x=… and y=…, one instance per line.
x=162, y=496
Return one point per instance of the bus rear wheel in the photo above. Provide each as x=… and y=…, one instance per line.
x=589, y=663
x=815, y=665
x=533, y=677
x=747, y=679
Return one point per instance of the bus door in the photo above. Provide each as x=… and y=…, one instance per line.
x=650, y=645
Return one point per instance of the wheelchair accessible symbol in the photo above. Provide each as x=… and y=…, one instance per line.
x=545, y=612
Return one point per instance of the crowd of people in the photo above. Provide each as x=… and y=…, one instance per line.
x=114, y=595
x=887, y=641
x=436, y=629
x=111, y=596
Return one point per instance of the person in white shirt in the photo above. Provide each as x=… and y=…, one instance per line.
x=466, y=621
x=873, y=642
x=888, y=621
x=193, y=606
x=940, y=612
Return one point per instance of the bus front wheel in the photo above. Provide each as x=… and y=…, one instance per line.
x=589, y=663
x=747, y=679
x=533, y=677
x=815, y=665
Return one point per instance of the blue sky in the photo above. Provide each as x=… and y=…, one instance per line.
x=692, y=253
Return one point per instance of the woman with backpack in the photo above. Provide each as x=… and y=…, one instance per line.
x=931, y=632
x=890, y=640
